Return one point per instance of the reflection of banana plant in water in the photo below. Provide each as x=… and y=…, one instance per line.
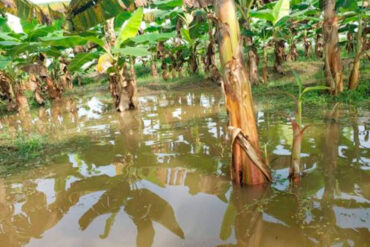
x=298, y=129
x=245, y=214
x=331, y=142
x=142, y=205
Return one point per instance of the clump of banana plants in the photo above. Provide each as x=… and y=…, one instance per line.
x=122, y=81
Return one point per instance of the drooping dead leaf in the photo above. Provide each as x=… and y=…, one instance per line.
x=237, y=134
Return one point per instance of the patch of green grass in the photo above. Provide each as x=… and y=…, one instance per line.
x=29, y=147
x=173, y=83
x=28, y=151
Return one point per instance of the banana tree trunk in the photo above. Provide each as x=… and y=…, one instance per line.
x=7, y=91
x=193, y=64
x=279, y=56
x=360, y=48
x=237, y=88
x=210, y=59
x=349, y=44
x=123, y=89
x=34, y=86
x=333, y=66
x=53, y=90
x=355, y=73
x=307, y=47
x=295, y=170
x=66, y=77
x=165, y=74
x=132, y=71
x=265, y=71
x=318, y=46
x=253, y=65
x=293, y=52
x=154, y=70
x=21, y=100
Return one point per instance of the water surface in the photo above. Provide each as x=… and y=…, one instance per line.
x=159, y=176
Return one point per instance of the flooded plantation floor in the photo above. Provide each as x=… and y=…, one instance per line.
x=159, y=176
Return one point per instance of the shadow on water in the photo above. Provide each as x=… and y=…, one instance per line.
x=159, y=176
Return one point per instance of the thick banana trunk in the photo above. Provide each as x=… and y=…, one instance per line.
x=239, y=102
x=123, y=89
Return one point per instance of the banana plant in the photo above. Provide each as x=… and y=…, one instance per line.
x=298, y=129
x=28, y=53
x=275, y=18
x=355, y=14
x=122, y=84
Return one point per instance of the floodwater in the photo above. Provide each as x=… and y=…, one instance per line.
x=159, y=176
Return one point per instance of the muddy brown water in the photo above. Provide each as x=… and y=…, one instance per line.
x=159, y=176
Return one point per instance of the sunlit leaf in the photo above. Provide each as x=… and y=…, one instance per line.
x=316, y=88
x=130, y=28
x=280, y=10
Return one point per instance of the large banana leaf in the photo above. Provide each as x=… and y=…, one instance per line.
x=4, y=61
x=130, y=28
x=88, y=13
x=80, y=59
x=280, y=10
x=274, y=15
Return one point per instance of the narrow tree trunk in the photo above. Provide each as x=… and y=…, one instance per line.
x=238, y=94
x=132, y=70
x=165, y=74
x=154, y=70
x=295, y=170
x=193, y=64
x=318, y=46
x=293, y=52
x=279, y=56
x=355, y=73
x=210, y=59
x=253, y=65
x=265, y=71
x=333, y=66
x=307, y=47
x=349, y=44
x=173, y=72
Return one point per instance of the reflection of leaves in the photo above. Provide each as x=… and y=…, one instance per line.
x=228, y=222
x=142, y=205
x=147, y=205
x=108, y=225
